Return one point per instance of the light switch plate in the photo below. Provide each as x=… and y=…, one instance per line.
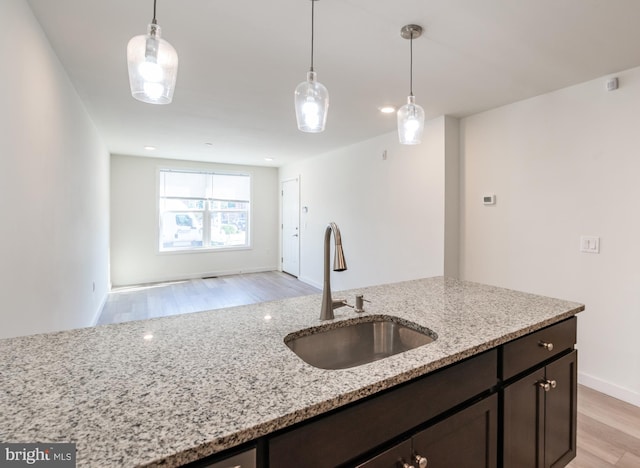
x=590, y=244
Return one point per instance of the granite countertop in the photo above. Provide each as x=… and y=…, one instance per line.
x=212, y=380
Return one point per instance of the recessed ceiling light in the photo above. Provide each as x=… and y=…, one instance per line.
x=268, y=159
x=387, y=109
x=150, y=148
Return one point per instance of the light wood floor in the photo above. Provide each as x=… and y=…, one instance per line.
x=181, y=297
x=608, y=432
x=608, y=429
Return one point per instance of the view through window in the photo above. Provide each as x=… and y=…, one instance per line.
x=203, y=210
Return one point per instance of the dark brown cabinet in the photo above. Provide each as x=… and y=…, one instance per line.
x=540, y=410
x=467, y=439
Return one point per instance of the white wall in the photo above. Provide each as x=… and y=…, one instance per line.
x=563, y=165
x=53, y=188
x=134, y=225
x=390, y=212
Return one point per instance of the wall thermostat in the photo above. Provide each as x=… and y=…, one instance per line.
x=489, y=199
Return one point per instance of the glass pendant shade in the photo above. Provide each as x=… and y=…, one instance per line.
x=312, y=103
x=153, y=67
x=410, y=122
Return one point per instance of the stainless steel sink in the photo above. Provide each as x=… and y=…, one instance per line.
x=353, y=343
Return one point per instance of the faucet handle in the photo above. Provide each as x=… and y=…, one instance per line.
x=336, y=303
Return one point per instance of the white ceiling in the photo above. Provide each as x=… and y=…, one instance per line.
x=240, y=61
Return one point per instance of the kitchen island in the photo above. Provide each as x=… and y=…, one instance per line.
x=173, y=390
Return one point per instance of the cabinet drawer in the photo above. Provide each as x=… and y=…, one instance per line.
x=535, y=348
x=394, y=457
x=242, y=458
x=339, y=437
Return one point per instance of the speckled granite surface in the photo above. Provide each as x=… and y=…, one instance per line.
x=212, y=380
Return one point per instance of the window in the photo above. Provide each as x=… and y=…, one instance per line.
x=203, y=210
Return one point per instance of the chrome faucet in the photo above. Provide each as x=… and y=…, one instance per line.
x=339, y=264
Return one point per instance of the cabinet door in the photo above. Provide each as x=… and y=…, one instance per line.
x=561, y=411
x=466, y=439
x=523, y=422
x=540, y=420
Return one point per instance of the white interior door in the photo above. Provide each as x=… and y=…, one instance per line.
x=291, y=227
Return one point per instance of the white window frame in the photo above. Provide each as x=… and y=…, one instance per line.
x=206, y=211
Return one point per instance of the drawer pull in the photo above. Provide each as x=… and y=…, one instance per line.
x=402, y=464
x=545, y=345
x=421, y=461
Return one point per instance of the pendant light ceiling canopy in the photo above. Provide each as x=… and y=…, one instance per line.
x=411, y=115
x=311, y=97
x=153, y=66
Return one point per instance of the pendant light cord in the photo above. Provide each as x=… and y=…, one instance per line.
x=312, y=23
x=411, y=65
x=154, y=21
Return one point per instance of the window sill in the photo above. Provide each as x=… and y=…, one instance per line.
x=206, y=250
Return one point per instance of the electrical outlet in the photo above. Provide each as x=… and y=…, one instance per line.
x=590, y=244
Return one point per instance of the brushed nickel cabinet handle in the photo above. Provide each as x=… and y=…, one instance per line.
x=547, y=384
x=545, y=345
x=421, y=461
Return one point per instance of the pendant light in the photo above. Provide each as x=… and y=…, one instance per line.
x=411, y=115
x=153, y=66
x=311, y=97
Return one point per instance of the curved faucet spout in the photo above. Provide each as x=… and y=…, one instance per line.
x=339, y=264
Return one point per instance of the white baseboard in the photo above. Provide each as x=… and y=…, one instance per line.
x=610, y=389
x=207, y=274
x=96, y=313
x=310, y=282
